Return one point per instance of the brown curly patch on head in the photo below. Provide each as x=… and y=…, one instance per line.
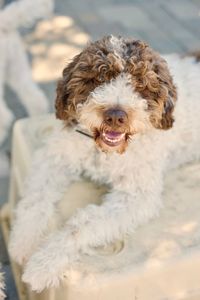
x=99, y=63
x=152, y=80
x=92, y=67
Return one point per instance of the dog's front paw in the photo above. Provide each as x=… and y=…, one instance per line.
x=49, y=266
x=26, y=235
x=41, y=273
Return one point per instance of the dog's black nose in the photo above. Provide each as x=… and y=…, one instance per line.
x=115, y=117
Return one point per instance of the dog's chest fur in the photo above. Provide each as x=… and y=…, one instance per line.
x=113, y=169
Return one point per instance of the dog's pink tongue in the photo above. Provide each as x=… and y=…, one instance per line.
x=113, y=134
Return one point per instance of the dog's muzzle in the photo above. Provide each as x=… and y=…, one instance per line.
x=115, y=120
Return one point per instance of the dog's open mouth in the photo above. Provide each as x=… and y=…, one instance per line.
x=113, y=138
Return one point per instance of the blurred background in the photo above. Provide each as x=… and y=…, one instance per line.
x=51, y=33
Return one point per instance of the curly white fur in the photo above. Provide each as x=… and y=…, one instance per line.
x=14, y=67
x=135, y=179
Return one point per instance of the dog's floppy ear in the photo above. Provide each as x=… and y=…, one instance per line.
x=61, y=101
x=167, y=119
x=65, y=109
x=167, y=115
x=169, y=100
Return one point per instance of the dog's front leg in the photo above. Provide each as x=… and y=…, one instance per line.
x=52, y=171
x=120, y=213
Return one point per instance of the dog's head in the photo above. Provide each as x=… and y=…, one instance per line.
x=116, y=88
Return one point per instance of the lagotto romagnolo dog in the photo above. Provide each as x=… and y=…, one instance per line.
x=124, y=95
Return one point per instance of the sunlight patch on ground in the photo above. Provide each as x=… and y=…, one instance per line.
x=50, y=67
x=80, y=38
x=183, y=229
x=165, y=250
x=52, y=44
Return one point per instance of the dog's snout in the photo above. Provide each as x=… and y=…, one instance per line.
x=115, y=117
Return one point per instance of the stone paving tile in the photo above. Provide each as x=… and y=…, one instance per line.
x=152, y=20
x=194, y=27
x=99, y=29
x=160, y=42
x=191, y=21
x=133, y=16
x=183, y=9
x=180, y=36
x=197, y=3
